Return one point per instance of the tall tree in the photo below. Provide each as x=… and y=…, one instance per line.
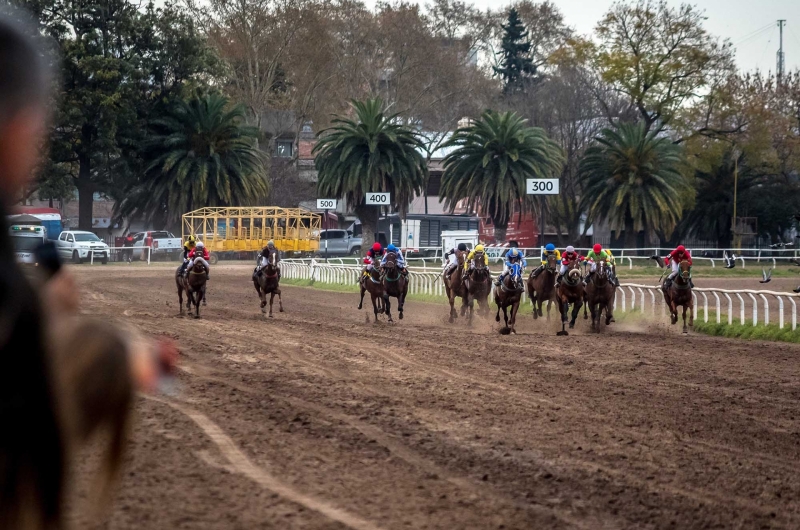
x=200, y=154
x=659, y=57
x=372, y=153
x=492, y=159
x=516, y=66
x=632, y=179
x=118, y=64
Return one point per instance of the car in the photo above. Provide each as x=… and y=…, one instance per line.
x=338, y=243
x=78, y=246
x=26, y=239
x=163, y=243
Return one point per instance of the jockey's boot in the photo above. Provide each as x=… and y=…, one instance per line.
x=207, y=275
x=588, y=278
x=558, y=279
x=538, y=271
x=691, y=283
x=616, y=281
x=499, y=280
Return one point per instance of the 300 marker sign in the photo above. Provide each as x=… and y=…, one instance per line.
x=542, y=186
x=379, y=198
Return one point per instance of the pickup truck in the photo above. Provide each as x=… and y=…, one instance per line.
x=79, y=246
x=162, y=242
x=338, y=243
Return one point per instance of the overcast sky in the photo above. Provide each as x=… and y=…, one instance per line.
x=751, y=25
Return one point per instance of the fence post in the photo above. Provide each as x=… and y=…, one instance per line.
x=641, y=295
x=730, y=309
x=766, y=309
x=694, y=299
x=633, y=299
x=741, y=308
x=705, y=307
x=718, y=306
x=780, y=312
x=755, y=309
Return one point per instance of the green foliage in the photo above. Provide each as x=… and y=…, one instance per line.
x=631, y=178
x=120, y=65
x=516, y=65
x=199, y=154
x=371, y=153
x=491, y=161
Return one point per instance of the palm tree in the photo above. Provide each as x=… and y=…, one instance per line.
x=492, y=159
x=713, y=209
x=200, y=154
x=631, y=178
x=372, y=153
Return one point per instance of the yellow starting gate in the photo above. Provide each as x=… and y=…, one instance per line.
x=249, y=228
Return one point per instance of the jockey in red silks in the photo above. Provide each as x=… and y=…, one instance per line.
x=373, y=257
x=199, y=252
x=673, y=260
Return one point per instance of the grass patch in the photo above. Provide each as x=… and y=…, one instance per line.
x=737, y=330
x=354, y=289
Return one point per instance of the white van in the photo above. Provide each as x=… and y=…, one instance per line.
x=26, y=239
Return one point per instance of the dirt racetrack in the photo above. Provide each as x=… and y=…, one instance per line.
x=315, y=419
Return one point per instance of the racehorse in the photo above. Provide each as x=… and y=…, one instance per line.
x=478, y=286
x=599, y=295
x=455, y=287
x=680, y=294
x=394, y=284
x=194, y=284
x=267, y=282
x=543, y=286
x=509, y=293
x=570, y=291
x=372, y=282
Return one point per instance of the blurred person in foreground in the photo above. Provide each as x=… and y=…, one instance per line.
x=49, y=407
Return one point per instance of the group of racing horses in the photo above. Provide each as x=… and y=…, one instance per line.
x=597, y=295
x=383, y=282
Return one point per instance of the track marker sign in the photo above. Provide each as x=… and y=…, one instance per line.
x=542, y=186
x=380, y=199
x=326, y=204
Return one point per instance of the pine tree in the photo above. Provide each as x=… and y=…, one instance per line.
x=516, y=66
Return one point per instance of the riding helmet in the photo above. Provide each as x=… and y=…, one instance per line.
x=550, y=247
x=200, y=244
x=479, y=248
x=377, y=247
x=597, y=248
x=462, y=247
x=681, y=248
x=391, y=248
x=191, y=239
x=571, y=249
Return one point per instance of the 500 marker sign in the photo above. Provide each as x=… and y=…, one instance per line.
x=326, y=204
x=542, y=186
x=380, y=199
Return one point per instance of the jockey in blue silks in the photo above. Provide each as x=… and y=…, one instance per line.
x=401, y=261
x=513, y=256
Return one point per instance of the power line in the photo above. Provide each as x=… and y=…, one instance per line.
x=753, y=34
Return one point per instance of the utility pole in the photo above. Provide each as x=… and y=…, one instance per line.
x=779, y=67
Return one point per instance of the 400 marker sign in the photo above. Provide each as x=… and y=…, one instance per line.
x=542, y=186
x=379, y=199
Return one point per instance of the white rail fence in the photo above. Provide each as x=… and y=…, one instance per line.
x=725, y=304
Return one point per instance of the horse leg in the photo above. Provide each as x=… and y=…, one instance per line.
x=685, y=327
x=401, y=300
x=691, y=312
x=594, y=316
x=514, y=309
x=280, y=300
x=198, y=296
x=361, y=301
x=575, y=311
x=584, y=310
x=563, y=308
x=505, y=314
x=497, y=303
x=271, y=298
x=387, y=306
x=609, y=313
x=673, y=310
x=451, y=298
x=533, y=303
x=376, y=306
x=549, y=303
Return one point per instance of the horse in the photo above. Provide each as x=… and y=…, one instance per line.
x=680, y=294
x=543, y=286
x=455, y=287
x=570, y=291
x=372, y=282
x=267, y=282
x=194, y=284
x=599, y=295
x=479, y=285
x=509, y=293
x=394, y=284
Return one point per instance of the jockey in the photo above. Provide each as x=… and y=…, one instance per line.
x=199, y=252
x=549, y=250
x=263, y=258
x=188, y=246
x=451, y=259
x=468, y=265
x=512, y=256
x=596, y=254
x=569, y=256
x=401, y=262
x=373, y=256
x=674, y=259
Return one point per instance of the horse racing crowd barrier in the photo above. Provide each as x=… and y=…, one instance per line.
x=630, y=296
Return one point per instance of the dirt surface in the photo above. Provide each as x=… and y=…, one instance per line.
x=316, y=419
